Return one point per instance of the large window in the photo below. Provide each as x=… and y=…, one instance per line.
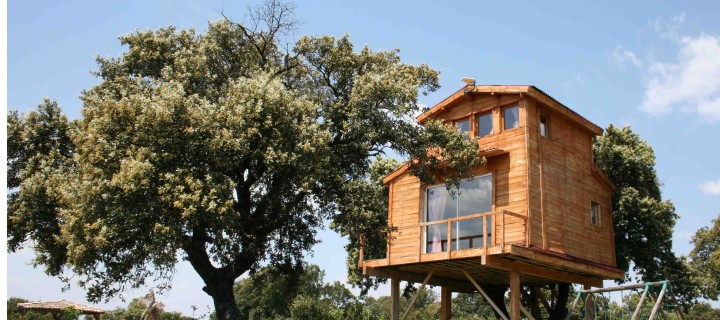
x=474, y=196
x=511, y=118
x=484, y=123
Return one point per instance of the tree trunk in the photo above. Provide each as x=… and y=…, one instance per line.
x=497, y=295
x=560, y=311
x=223, y=297
x=531, y=301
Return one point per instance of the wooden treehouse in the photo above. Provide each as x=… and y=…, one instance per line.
x=538, y=212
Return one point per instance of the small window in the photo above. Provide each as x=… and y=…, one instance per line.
x=464, y=127
x=543, y=127
x=594, y=213
x=511, y=118
x=485, y=125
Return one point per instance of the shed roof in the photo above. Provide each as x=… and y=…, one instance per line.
x=528, y=90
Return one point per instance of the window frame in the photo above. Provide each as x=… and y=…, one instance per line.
x=596, y=213
x=470, y=134
x=488, y=113
x=503, y=118
x=424, y=215
x=543, y=120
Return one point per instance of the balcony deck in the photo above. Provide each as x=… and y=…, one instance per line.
x=489, y=264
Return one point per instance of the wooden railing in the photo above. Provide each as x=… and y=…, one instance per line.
x=490, y=227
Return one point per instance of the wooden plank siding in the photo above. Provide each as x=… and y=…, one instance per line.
x=547, y=181
x=562, y=187
x=509, y=181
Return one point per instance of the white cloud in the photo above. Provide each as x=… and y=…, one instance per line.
x=669, y=29
x=691, y=83
x=621, y=56
x=711, y=187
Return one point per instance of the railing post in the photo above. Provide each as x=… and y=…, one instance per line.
x=485, y=239
x=502, y=217
x=449, y=236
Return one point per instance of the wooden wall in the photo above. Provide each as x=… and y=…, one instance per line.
x=509, y=180
x=557, y=169
x=562, y=186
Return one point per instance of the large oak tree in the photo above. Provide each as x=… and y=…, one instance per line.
x=216, y=147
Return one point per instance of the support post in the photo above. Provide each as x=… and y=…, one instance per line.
x=445, y=303
x=515, y=295
x=589, y=304
x=658, y=302
x=394, y=299
x=640, y=303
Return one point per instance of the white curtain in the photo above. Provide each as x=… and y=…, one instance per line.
x=516, y=115
x=436, y=207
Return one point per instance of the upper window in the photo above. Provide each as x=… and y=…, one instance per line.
x=511, y=118
x=484, y=125
x=543, y=126
x=464, y=127
x=594, y=213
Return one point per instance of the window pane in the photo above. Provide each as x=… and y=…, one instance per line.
x=440, y=205
x=485, y=125
x=475, y=196
x=436, y=238
x=543, y=127
x=594, y=213
x=468, y=234
x=464, y=126
x=512, y=118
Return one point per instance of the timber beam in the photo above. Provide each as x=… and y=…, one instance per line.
x=454, y=285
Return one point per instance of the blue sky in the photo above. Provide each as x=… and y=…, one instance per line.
x=652, y=65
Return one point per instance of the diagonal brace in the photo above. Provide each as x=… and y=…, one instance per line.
x=417, y=294
x=485, y=295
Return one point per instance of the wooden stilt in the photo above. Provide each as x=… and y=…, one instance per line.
x=515, y=295
x=589, y=304
x=394, y=299
x=445, y=303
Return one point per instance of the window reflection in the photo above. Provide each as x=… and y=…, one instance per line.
x=511, y=118
x=474, y=196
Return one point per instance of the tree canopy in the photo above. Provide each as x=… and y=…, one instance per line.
x=643, y=222
x=219, y=148
x=705, y=260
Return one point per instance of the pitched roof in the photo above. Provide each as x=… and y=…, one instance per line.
x=526, y=90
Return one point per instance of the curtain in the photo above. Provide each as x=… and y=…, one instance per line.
x=436, y=206
x=516, y=116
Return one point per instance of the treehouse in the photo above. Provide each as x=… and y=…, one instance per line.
x=537, y=212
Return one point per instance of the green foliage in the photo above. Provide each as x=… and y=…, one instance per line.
x=300, y=293
x=71, y=313
x=135, y=309
x=703, y=311
x=13, y=312
x=39, y=150
x=218, y=148
x=471, y=307
x=705, y=260
x=643, y=222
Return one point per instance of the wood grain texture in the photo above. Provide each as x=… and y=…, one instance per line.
x=546, y=182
